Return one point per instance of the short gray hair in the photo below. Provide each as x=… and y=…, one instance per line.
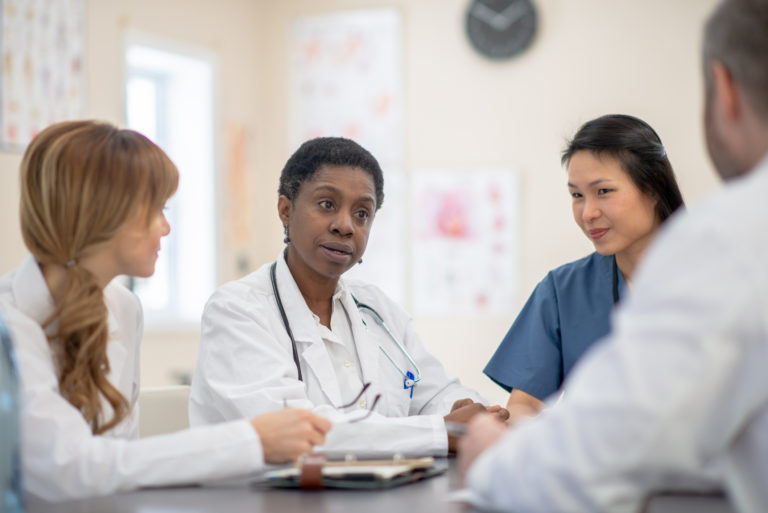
x=737, y=35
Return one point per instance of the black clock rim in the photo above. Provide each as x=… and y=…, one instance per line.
x=468, y=19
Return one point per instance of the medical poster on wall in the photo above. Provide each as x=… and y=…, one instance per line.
x=346, y=80
x=43, y=69
x=465, y=242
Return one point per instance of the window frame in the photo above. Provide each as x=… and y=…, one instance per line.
x=171, y=320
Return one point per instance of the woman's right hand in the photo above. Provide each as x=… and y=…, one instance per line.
x=287, y=434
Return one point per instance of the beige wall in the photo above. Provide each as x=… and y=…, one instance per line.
x=590, y=57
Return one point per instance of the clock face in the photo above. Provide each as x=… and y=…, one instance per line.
x=500, y=29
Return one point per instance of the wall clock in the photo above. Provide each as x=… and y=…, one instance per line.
x=500, y=29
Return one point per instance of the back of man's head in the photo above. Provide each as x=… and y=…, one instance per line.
x=737, y=35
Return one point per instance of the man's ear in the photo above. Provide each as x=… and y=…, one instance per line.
x=727, y=96
x=284, y=209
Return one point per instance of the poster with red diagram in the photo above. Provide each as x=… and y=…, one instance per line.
x=465, y=242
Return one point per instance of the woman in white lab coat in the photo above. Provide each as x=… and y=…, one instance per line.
x=92, y=200
x=295, y=332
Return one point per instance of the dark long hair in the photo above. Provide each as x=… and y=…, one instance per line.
x=638, y=148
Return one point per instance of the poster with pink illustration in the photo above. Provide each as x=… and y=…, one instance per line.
x=346, y=80
x=43, y=75
x=465, y=242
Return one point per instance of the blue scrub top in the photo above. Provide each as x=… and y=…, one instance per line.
x=569, y=310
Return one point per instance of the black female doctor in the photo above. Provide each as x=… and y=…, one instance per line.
x=295, y=333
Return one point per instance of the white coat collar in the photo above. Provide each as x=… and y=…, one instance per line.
x=309, y=344
x=305, y=332
x=31, y=292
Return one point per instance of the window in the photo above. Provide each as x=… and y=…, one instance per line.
x=169, y=98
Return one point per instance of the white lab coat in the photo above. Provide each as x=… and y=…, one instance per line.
x=245, y=367
x=61, y=458
x=679, y=389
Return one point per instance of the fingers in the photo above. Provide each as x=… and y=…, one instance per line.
x=461, y=403
x=479, y=422
x=317, y=427
x=460, y=415
x=312, y=427
x=502, y=413
x=287, y=434
x=465, y=410
x=463, y=413
x=483, y=431
x=321, y=424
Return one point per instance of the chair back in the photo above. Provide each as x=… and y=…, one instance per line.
x=163, y=410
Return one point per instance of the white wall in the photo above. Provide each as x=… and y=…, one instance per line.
x=590, y=57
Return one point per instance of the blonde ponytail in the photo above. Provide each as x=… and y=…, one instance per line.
x=80, y=182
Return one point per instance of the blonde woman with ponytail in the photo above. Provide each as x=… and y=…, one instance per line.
x=92, y=199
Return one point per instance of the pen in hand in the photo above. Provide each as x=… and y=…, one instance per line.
x=455, y=428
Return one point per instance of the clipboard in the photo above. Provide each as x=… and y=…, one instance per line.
x=316, y=472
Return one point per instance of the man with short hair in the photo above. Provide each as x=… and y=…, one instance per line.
x=678, y=393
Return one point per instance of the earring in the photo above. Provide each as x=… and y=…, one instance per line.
x=287, y=239
x=360, y=261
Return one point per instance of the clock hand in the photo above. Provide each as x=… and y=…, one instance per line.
x=508, y=16
x=484, y=13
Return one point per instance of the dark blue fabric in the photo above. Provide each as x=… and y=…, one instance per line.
x=567, y=312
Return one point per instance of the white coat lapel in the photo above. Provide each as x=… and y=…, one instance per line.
x=366, y=344
x=313, y=356
x=319, y=365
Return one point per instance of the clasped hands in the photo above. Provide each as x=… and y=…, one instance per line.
x=465, y=409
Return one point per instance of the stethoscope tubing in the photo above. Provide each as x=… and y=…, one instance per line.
x=380, y=321
x=273, y=278
x=408, y=381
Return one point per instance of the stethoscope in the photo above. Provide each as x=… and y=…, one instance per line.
x=409, y=379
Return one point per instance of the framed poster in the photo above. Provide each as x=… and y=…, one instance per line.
x=43, y=66
x=346, y=81
x=465, y=242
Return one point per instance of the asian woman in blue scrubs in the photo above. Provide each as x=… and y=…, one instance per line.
x=622, y=189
